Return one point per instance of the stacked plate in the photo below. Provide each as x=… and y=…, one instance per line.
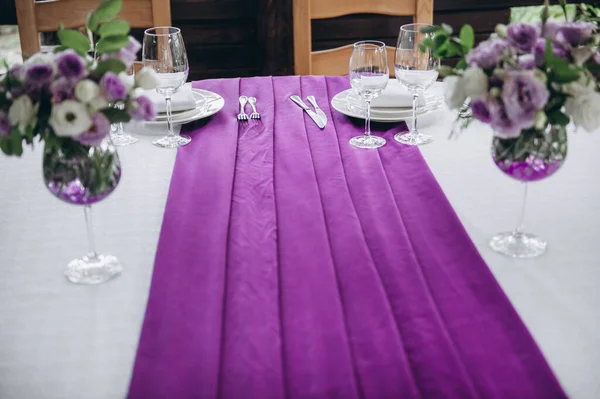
x=349, y=103
x=207, y=104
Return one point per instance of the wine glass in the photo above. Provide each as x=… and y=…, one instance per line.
x=164, y=51
x=369, y=75
x=416, y=71
x=118, y=135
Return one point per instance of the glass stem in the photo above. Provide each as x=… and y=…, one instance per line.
x=521, y=227
x=169, y=116
x=120, y=125
x=414, y=113
x=368, y=119
x=87, y=210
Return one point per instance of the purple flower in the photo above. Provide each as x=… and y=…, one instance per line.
x=575, y=33
x=62, y=89
x=113, y=87
x=527, y=61
x=17, y=71
x=38, y=76
x=550, y=30
x=4, y=124
x=540, y=51
x=70, y=65
x=597, y=57
x=127, y=54
x=487, y=54
x=99, y=130
x=522, y=36
x=503, y=126
x=481, y=111
x=523, y=95
x=143, y=109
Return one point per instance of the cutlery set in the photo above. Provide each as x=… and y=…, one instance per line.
x=318, y=116
x=243, y=116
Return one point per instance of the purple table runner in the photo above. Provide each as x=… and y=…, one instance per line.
x=292, y=265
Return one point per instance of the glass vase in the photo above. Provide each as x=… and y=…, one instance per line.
x=83, y=175
x=533, y=156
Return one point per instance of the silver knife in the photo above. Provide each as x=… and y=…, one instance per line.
x=311, y=99
x=309, y=111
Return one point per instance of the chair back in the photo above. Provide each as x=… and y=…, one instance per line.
x=335, y=61
x=34, y=17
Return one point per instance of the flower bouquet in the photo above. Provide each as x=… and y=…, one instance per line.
x=68, y=100
x=528, y=82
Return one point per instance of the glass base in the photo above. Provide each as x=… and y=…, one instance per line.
x=367, y=141
x=413, y=139
x=518, y=245
x=172, y=141
x=93, y=270
x=121, y=140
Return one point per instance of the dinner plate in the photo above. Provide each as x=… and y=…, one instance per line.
x=433, y=101
x=207, y=104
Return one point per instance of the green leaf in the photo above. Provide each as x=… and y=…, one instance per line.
x=445, y=70
x=563, y=5
x=447, y=28
x=116, y=115
x=558, y=118
x=467, y=37
x=453, y=49
x=565, y=75
x=430, y=29
x=29, y=134
x=5, y=145
x=74, y=39
x=422, y=48
x=112, y=65
x=439, y=41
x=428, y=42
x=106, y=11
x=111, y=44
x=16, y=142
x=118, y=27
x=556, y=102
x=59, y=49
x=462, y=64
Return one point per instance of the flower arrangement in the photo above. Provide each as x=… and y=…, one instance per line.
x=69, y=99
x=526, y=79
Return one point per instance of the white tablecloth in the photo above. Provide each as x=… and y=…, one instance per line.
x=59, y=340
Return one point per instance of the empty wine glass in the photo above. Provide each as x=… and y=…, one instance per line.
x=416, y=71
x=164, y=51
x=369, y=75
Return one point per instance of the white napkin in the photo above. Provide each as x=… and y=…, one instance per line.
x=393, y=96
x=182, y=100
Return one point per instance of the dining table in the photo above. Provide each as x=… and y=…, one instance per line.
x=62, y=340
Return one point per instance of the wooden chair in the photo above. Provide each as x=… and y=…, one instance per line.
x=44, y=16
x=335, y=61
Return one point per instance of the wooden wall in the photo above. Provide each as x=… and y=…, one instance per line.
x=226, y=38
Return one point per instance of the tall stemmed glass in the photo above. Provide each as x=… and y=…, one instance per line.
x=118, y=135
x=164, y=51
x=416, y=71
x=369, y=75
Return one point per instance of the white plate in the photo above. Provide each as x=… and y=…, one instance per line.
x=433, y=101
x=207, y=104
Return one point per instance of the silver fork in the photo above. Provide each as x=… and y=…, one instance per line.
x=242, y=116
x=254, y=114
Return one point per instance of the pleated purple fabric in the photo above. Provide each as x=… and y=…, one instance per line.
x=292, y=265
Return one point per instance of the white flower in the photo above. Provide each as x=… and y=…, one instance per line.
x=581, y=55
x=128, y=80
x=454, y=91
x=40, y=58
x=86, y=90
x=70, y=118
x=475, y=82
x=22, y=112
x=146, y=78
x=582, y=86
x=98, y=103
x=585, y=110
